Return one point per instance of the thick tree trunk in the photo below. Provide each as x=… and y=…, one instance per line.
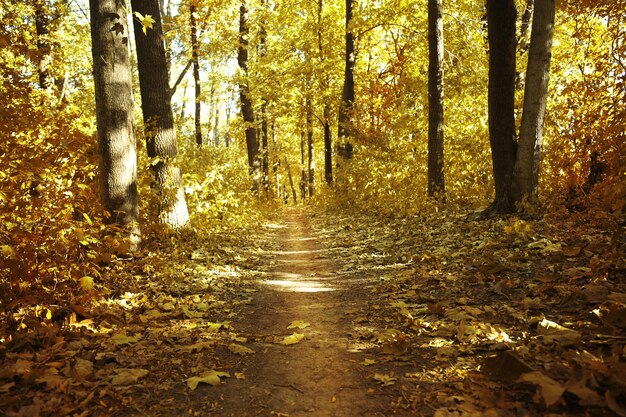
x=247, y=110
x=345, y=129
x=501, y=16
x=157, y=115
x=526, y=172
x=436, y=183
x=114, y=113
x=196, y=72
x=328, y=142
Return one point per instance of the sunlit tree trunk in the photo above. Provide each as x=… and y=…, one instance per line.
x=328, y=143
x=114, y=113
x=501, y=16
x=196, y=72
x=346, y=123
x=247, y=110
x=436, y=183
x=303, y=174
x=157, y=115
x=526, y=172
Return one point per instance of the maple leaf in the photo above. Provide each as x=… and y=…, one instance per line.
x=146, y=21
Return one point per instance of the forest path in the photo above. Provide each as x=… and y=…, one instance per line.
x=318, y=375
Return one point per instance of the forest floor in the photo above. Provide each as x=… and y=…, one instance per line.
x=338, y=314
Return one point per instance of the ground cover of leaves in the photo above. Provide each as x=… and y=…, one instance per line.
x=461, y=318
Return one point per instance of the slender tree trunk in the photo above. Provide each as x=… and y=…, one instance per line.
x=114, y=113
x=216, y=122
x=328, y=142
x=196, y=72
x=158, y=117
x=265, y=149
x=303, y=174
x=345, y=129
x=309, y=142
x=526, y=172
x=227, y=132
x=501, y=17
x=247, y=110
x=293, y=188
x=436, y=183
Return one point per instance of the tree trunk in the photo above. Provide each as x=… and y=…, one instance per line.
x=526, y=173
x=309, y=142
x=114, y=113
x=196, y=72
x=436, y=183
x=216, y=122
x=501, y=18
x=44, y=47
x=265, y=149
x=293, y=188
x=328, y=143
x=157, y=115
x=247, y=110
x=303, y=174
x=345, y=129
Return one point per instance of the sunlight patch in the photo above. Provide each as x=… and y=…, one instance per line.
x=298, y=286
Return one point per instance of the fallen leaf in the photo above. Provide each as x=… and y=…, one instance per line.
x=554, y=332
x=368, y=362
x=211, y=377
x=385, y=380
x=298, y=324
x=127, y=376
x=292, y=340
x=239, y=349
x=240, y=375
x=551, y=390
x=122, y=338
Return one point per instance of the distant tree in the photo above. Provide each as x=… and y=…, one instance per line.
x=114, y=113
x=247, y=110
x=526, y=171
x=158, y=118
x=436, y=183
x=501, y=19
x=345, y=129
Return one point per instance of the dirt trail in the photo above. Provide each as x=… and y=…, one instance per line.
x=319, y=375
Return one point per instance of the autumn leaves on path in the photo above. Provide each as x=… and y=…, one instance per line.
x=299, y=321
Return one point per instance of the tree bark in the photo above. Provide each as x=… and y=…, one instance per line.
x=114, y=113
x=44, y=47
x=328, y=142
x=309, y=142
x=501, y=17
x=526, y=172
x=436, y=182
x=345, y=129
x=196, y=72
x=247, y=110
x=158, y=117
